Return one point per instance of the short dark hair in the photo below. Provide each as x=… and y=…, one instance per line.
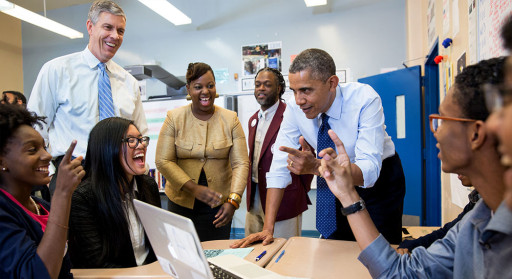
x=11, y=118
x=279, y=78
x=468, y=92
x=318, y=61
x=100, y=6
x=196, y=70
x=506, y=33
x=17, y=96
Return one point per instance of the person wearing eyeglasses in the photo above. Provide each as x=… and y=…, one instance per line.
x=104, y=229
x=499, y=100
x=466, y=146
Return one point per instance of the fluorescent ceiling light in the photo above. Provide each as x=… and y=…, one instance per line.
x=312, y=3
x=167, y=11
x=39, y=20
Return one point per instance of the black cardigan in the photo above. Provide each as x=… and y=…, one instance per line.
x=86, y=237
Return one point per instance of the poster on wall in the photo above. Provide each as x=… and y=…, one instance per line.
x=259, y=56
x=491, y=16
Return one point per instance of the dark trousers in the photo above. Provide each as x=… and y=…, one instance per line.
x=384, y=201
x=202, y=216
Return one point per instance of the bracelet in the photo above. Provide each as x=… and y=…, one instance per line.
x=233, y=203
x=59, y=225
x=235, y=197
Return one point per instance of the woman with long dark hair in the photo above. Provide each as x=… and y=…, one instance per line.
x=105, y=231
x=32, y=240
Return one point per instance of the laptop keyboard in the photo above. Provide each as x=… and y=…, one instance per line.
x=220, y=273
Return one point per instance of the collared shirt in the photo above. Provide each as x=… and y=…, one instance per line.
x=357, y=117
x=497, y=241
x=264, y=119
x=463, y=253
x=140, y=250
x=66, y=92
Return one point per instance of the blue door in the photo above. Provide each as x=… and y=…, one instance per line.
x=403, y=87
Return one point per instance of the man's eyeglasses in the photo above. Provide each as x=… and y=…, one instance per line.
x=133, y=142
x=497, y=96
x=436, y=121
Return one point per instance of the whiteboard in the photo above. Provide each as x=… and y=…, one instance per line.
x=491, y=17
x=156, y=111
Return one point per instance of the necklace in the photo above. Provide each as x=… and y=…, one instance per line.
x=35, y=204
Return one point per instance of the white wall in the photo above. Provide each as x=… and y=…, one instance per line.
x=362, y=35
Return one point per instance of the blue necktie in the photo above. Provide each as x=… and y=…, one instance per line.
x=325, y=200
x=105, y=102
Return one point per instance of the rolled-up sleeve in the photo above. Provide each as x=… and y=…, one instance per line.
x=43, y=100
x=289, y=133
x=370, y=141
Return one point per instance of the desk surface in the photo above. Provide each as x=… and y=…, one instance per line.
x=319, y=258
x=154, y=270
x=416, y=231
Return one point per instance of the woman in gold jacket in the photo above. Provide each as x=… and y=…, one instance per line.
x=202, y=153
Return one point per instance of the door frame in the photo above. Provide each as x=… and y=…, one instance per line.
x=432, y=164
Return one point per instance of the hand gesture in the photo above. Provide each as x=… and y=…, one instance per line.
x=301, y=161
x=207, y=195
x=336, y=169
x=70, y=172
x=224, y=215
x=265, y=236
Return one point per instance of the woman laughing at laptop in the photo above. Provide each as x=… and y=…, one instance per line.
x=105, y=231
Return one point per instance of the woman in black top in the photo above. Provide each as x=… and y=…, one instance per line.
x=105, y=231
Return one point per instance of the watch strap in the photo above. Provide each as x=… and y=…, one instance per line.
x=353, y=208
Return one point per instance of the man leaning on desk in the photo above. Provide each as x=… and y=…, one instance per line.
x=76, y=91
x=354, y=111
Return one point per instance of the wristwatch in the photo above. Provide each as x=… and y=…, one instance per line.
x=355, y=207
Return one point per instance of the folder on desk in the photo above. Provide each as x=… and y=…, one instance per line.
x=179, y=252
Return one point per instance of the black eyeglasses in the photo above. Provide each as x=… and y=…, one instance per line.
x=133, y=142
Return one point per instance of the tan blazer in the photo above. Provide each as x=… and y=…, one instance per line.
x=186, y=145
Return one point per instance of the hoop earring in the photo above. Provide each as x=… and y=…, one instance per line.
x=188, y=97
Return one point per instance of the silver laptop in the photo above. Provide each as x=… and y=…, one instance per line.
x=178, y=250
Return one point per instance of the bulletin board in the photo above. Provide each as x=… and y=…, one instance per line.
x=491, y=16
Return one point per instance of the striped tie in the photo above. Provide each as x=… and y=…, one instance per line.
x=325, y=200
x=105, y=102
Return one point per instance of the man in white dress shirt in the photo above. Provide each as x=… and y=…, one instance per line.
x=354, y=111
x=66, y=89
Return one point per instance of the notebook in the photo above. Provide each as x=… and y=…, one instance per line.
x=179, y=252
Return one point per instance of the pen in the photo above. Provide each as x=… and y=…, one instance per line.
x=261, y=255
x=279, y=257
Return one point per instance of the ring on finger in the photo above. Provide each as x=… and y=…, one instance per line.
x=290, y=164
